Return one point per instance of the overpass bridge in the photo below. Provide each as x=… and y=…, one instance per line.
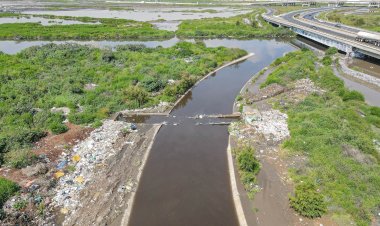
x=343, y=40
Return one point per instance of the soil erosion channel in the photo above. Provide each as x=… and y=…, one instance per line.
x=185, y=180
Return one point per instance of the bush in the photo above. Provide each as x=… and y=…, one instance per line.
x=152, y=84
x=7, y=189
x=248, y=166
x=307, y=201
x=326, y=61
x=137, y=95
x=247, y=161
x=19, y=158
x=331, y=51
x=58, y=128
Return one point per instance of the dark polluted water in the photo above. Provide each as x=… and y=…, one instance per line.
x=186, y=180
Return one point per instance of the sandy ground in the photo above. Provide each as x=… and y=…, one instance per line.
x=270, y=205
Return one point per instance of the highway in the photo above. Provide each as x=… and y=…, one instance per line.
x=305, y=20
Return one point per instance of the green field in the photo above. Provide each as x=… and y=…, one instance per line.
x=336, y=132
x=369, y=21
x=240, y=27
x=245, y=26
x=108, y=29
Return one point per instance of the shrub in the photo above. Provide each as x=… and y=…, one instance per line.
x=152, y=84
x=184, y=85
x=327, y=61
x=19, y=158
x=58, y=128
x=136, y=94
x=7, y=189
x=331, y=51
x=247, y=161
x=307, y=201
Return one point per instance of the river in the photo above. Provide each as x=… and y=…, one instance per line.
x=185, y=180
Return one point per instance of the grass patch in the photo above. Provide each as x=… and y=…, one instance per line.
x=307, y=201
x=7, y=189
x=113, y=29
x=240, y=27
x=248, y=167
x=336, y=131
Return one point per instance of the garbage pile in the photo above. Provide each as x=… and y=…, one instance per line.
x=272, y=124
x=307, y=86
x=78, y=169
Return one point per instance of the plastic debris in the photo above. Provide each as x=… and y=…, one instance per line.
x=76, y=158
x=87, y=155
x=133, y=127
x=59, y=174
x=62, y=164
x=79, y=179
x=64, y=211
x=37, y=199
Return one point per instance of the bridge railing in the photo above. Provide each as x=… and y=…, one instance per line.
x=355, y=44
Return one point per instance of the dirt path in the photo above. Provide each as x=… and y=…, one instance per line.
x=270, y=205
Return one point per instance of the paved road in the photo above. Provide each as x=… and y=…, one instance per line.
x=330, y=31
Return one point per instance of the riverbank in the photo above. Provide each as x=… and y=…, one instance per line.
x=77, y=170
x=284, y=163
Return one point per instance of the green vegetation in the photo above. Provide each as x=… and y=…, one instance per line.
x=287, y=9
x=7, y=189
x=331, y=51
x=20, y=204
x=133, y=76
x=337, y=132
x=301, y=66
x=307, y=201
x=58, y=128
x=248, y=166
x=106, y=29
x=369, y=21
x=240, y=27
x=17, y=158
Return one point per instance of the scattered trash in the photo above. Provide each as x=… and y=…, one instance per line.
x=59, y=174
x=76, y=158
x=62, y=164
x=133, y=126
x=39, y=168
x=87, y=156
x=79, y=179
x=37, y=199
x=64, y=211
x=33, y=187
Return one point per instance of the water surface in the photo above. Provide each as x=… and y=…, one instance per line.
x=185, y=180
